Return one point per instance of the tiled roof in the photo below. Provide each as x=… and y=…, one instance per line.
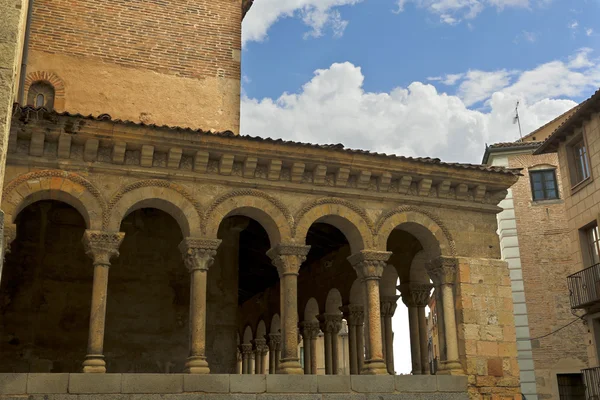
x=503, y=145
x=25, y=112
x=535, y=132
x=246, y=4
x=586, y=108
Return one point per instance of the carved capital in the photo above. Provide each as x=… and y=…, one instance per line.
x=246, y=350
x=101, y=246
x=274, y=341
x=369, y=264
x=260, y=346
x=442, y=270
x=198, y=253
x=10, y=234
x=288, y=258
x=415, y=294
x=354, y=314
x=388, y=306
x=310, y=330
x=330, y=323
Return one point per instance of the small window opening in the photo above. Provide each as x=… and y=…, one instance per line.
x=41, y=94
x=39, y=100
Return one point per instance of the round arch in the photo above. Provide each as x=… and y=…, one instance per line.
x=275, y=327
x=273, y=216
x=261, y=330
x=333, y=302
x=349, y=218
x=53, y=80
x=425, y=226
x=388, y=281
x=357, y=293
x=162, y=195
x=418, y=271
x=311, y=310
x=67, y=187
x=247, y=335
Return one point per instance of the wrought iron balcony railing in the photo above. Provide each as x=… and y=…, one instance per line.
x=591, y=378
x=584, y=287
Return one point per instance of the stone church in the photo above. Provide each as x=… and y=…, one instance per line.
x=150, y=247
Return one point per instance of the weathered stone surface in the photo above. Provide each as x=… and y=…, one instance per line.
x=206, y=383
x=291, y=383
x=95, y=383
x=247, y=383
x=372, y=383
x=415, y=383
x=47, y=383
x=152, y=383
x=13, y=383
x=344, y=396
x=417, y=396
x=333, y=384
x=287, y=396
x=448, y=383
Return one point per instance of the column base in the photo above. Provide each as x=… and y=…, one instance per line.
x=374, y=367
x=290, y=367
x=419, y=372
x=196, y=365
x=450, y=368
x=94, y=364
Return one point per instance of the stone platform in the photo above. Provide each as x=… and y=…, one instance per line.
x=238, y=387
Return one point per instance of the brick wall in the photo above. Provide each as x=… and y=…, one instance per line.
x=187, y=38
x=542, y=229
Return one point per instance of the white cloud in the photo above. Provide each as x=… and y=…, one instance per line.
x=573, y=25
x=531, y=37
x=418, y=120
x=454, y=11
x=318, y=15
x=589, y=32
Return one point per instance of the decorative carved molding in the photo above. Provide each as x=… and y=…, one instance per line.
x=10, y=234
x=399, y=210
x=369, y=264
x=415, y=294
x=246, y=350
x=101, y=246
x=330, y=323
x=310, y=330
x=354, y=314
x=288, y=258
x=332, y=200
x=148, y=183
x=246, y=192
x=388, y=306
x=198, y=253
x=274, y=341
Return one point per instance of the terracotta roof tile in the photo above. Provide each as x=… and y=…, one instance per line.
x=25, y=112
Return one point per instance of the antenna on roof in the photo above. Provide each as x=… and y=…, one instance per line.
x=517, y=120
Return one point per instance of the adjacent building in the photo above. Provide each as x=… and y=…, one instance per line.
x=534, y=238
x=577, y=143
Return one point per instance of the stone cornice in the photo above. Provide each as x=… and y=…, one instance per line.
x=96, y=142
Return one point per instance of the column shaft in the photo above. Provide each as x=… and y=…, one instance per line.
x=415, y=348
x=360, y=347
x=328, y=354
x=389, y=345
x=423, y=341
x=352, y=349
x=373, y=316
x=450, y=325
x=307, y=356
x=314, y=357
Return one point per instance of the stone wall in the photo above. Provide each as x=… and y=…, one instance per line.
x=222, y=387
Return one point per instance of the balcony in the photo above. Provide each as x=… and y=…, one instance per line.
x=591, y=378
x=584, y=287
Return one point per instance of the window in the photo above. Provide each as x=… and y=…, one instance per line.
x=41, y=94
x=592, y=239
x=579, y=163
x=543, y=185
x=570, y=387
x=39, y=101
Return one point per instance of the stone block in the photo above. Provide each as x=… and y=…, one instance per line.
x=334, y=384
x=418, y=396
x=152, y=383
x=229, y=396
x=450, y=383
x=13, y=383
x=291, y=383
x=247, y=383
x=95, y=383
x=288, y=396
x=206, y=383
x=47, y=383
x=415, y=383
x=372, y=383
x=347, y=396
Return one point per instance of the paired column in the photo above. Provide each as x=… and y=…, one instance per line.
x=198, y=255
x=416, y=298
x=310, y=333
x=369, y=265
x=260, y=351
x=331, y=325
x=101, y=247
x=246, y=350
x=388, y=308
x=443, y=273
x=288, y=258
x=354, y=314
x=274, y=340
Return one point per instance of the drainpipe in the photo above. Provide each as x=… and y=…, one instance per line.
x=25, y=55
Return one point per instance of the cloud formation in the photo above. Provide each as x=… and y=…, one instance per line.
x=419, y=120
x=453, y=12
x=318, y=15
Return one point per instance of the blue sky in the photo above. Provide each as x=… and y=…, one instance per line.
x=415, y=77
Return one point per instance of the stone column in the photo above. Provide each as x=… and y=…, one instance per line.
x=354, y=314
x=369, y=266
x=421, y=294
x=288, y=258
x=331, y=325
x=443, y=273
x=263, y=358
x=198, y=255
x=260, y=350
x=413, y=324
x=10, y=234
x=246, y=350
x=101, y=247
x=240, y=360
x=388, y=308
x=274, y=350
x=310, y=333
